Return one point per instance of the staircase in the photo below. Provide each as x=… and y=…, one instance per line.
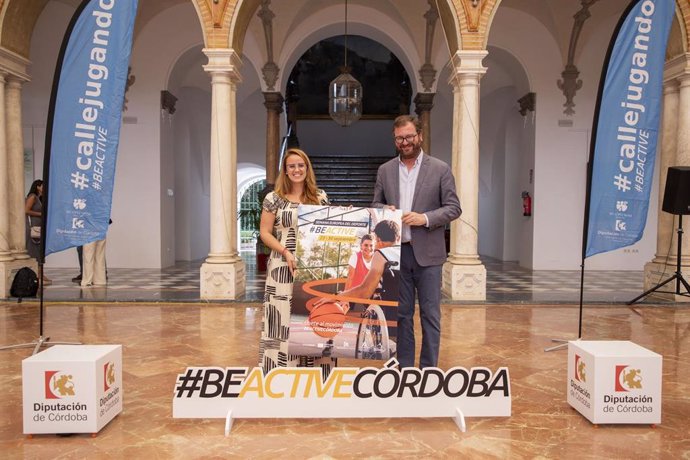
x=348, y=180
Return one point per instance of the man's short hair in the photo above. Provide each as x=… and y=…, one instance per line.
x=366, y=237
x=387, y=230
x=402, y=120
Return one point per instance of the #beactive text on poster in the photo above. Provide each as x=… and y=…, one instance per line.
x=331, y=317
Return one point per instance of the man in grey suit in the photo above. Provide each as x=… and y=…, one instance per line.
x=423, y=187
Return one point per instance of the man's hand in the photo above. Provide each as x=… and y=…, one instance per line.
x=413, y=219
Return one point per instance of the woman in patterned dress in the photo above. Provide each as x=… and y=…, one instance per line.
x=295, y=185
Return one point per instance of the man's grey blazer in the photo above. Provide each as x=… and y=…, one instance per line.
x=434, y=195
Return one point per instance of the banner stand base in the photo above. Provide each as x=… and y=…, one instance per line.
x=562, y=343
x=460, y=420
x=228, y=423
x=37, y=344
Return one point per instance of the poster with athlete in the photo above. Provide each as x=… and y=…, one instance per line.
x=345, y=296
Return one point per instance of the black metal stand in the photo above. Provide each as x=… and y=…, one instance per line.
x=678, y=275
x=563, y=343
x=41, y=341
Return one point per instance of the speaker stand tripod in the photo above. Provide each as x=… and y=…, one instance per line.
x=677, y=276
x=41, y=341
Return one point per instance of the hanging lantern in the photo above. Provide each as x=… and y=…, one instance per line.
x=345, y=99
x=345, y=95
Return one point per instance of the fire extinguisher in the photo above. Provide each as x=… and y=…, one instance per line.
x=526, y=204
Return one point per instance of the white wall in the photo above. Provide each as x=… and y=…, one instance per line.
x=167, y=190
x=492, y=174
x=525, y=225
x=142, y=221
x=442, y=119
x=192, y=122
x=190, y=213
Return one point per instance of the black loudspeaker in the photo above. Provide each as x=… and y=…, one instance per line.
x=677, y=193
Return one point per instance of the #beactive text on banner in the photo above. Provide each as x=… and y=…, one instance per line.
x=86, y=123
x=627, y=128
x=333, y=242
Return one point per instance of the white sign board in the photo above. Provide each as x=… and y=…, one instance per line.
x=211, y=392
x=614, y=382
x=72, y=388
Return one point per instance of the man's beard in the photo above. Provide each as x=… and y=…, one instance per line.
x=414, y=153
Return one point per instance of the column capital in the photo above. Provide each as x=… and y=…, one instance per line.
x=427, y=75
x=14, y=82
x=684, y=79
x=273, y=101
x=469, y=61
x=467, y=67
x=224, y=61
x=424, y=102
x=671, y=86
x=14, y=64
x=677, y=68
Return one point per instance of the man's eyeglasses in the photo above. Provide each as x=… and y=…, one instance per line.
x=409, y=138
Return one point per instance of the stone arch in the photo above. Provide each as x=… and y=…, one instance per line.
x=452, y=23
x=205, y=15
x=17, y=22
x=679, y=41
x=321, y=26
x=232, y=24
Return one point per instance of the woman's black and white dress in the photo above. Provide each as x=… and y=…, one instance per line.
x=275, y=328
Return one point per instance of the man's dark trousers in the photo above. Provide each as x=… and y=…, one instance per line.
x=426, y=282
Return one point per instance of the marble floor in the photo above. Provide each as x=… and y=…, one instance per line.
x=160, y=339
x=507, y=282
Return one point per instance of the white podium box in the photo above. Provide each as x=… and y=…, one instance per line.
x=72, y=388
x=614, y=382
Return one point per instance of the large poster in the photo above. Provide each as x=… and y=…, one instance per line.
x=345, y=296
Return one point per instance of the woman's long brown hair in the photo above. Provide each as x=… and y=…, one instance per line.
x=283, y=186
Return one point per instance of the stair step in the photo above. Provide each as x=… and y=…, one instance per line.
x=348, y=180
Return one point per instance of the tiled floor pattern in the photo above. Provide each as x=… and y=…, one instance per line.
x=161, y=339
x=506, y=282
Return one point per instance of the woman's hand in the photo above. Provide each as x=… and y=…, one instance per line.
x=291, y=261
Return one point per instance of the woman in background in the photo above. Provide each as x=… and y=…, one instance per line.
x=33, y=208
x=295, y=185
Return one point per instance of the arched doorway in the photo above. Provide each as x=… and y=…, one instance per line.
x=506, y=160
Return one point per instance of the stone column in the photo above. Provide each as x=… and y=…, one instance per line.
x=5, y=254
x=464, y=276
x=674, y=151
x=223, y=274
x=6, y=259
x=423, y=103
x=273, y=101
x=683, y=159
x=15, y=167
